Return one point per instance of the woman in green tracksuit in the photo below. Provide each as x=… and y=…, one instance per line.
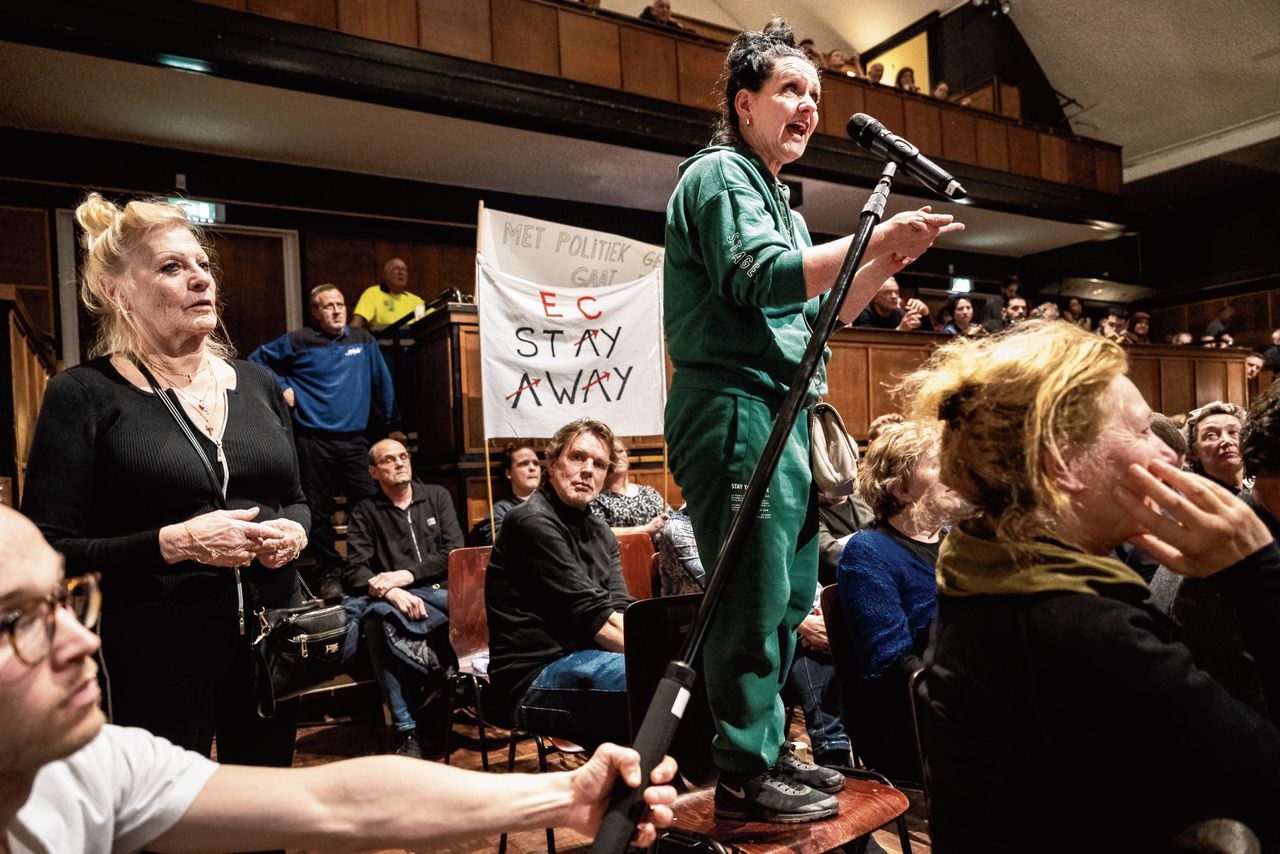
x=742, y=289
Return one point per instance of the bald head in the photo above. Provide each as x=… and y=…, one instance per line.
x=390, y=467
x=396, y=274
x=25, y=558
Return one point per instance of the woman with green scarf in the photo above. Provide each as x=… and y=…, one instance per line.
x=1057, y=705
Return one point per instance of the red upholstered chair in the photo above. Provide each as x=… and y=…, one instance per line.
x=469, y=637
x=636, y=552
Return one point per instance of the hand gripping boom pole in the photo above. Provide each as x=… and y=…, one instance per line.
x=667, y=706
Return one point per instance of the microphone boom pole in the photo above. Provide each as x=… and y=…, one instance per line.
x=669, y=700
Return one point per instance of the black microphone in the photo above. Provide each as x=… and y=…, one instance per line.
x=870, y=134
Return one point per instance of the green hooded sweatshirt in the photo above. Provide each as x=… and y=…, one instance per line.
x=735, y=310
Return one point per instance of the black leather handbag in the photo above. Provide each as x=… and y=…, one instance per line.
x=296, y=649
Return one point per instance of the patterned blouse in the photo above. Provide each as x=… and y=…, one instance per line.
x=626, y=511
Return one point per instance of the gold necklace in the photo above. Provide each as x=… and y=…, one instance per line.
x=205, y=406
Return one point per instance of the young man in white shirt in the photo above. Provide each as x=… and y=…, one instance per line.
x=70, y=783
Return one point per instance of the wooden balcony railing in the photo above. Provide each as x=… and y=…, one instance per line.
x=618, y=52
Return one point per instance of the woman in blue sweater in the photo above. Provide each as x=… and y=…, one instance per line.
x=888, y=593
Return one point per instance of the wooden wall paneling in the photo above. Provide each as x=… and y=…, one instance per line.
x=848, y=388
x=525, y=36
x=590, y=50
x=1024, y=151
x=959, y=136
x=885, y=104
x=1108, y=172
x=698, y=71
x=1274, y=318
x=316, y=13
x=252, y=281
x=1177, y=386
x=649, y=64
x=923, y=125
x=1082, y=171
x=1211, y=382
x=1144, y=372
x=25, y=258
x=238, y=5
x=886, y=366
x=37, y=303
x=471, y=392
x=1251, y=326
x=348, y=262
x=456, y=27
x=436, y=397
x=840, y=100
x=1237, y=385
x=458, y=268
x=1166, y=322
x=1010, y=101
x=1199, y=314
x=983, y=98
x=394, y=21
x=1053, y=159
x=477, y=500
x=992, y=139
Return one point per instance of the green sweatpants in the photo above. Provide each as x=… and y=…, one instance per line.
x=714, y=440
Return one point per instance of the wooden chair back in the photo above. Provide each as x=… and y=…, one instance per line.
x=468, y=622
x=636, y=552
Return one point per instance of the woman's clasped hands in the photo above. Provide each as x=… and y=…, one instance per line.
x=230, y=538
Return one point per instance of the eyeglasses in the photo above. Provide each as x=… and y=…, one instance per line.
x=31, y=630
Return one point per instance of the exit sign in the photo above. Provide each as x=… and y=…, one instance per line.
x=205, y=213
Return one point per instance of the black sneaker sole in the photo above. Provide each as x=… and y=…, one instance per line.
x=730, y=814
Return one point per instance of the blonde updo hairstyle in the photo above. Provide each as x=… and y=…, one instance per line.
x=111, y=236
x=890, y=464
x=1007, y=404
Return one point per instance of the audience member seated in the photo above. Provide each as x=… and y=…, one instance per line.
x=1183, y=339
x=1139, y=331
x=811, y=51
x=875, y=72
x=960, y=308
x=886, y=311
x=1213, y=443
x=1220, y=323
x=1074, y=314
x=1253, y=365
x=1013, y=313
x=881, y=423
x=906, y=80
x=555, y=597
x=659, y=12
x=1055, y=696
x=886, y=579
x=1272, y=353
x=628, y=507
x=73, y=784
x=994, y=308
x=386, y=302
x=1047, y=310
x=943, y=93
x=337, y=385
x=398, y=545
x=680, y=567
x=521, y=467
x=838, y=520
x=1114, y=324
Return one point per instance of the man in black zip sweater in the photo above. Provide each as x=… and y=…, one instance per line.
x=398, y=545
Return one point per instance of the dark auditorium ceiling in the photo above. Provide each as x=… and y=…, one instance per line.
x=1204, y=82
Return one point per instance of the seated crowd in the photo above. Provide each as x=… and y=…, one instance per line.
x=1023, y=541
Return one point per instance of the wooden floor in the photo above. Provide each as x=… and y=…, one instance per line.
x=356, y=730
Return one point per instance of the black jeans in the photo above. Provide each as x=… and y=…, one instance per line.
x=331, y=464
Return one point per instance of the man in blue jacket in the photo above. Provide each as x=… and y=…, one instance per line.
x=331, y=378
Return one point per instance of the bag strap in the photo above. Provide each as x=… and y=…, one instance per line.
x=186, y=429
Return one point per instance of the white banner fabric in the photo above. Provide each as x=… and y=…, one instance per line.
x=550, y=354
x=563, y=255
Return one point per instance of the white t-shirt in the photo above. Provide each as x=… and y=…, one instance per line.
x=118, y=793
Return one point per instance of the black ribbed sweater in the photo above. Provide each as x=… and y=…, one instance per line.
x=109, y=468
